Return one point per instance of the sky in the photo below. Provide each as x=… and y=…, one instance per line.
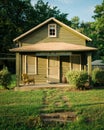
x=81, y=8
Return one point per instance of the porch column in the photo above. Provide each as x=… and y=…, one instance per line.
x=17, y=69
x=89, y=60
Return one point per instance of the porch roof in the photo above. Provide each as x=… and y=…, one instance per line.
x=52, y=46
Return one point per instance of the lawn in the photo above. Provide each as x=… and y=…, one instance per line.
x=22, y=110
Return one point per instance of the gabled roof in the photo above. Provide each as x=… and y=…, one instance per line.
x=52, y=46
x=58, y=22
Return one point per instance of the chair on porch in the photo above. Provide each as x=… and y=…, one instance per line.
x=28, y=79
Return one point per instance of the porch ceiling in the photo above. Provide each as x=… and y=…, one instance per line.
x=52, y=46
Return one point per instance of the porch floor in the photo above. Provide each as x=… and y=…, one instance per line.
x=41, y=86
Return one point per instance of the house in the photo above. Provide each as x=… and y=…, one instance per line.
x=97, y=64
x=49, y=50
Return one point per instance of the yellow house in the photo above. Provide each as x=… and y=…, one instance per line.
x=49, y=50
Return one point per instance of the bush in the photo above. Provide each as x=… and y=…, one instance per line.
x=77, y=78
x=98, y=76
x=5, y=78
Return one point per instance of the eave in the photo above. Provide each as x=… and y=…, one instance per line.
x=53, y=47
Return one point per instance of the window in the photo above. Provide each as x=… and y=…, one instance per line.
x=52, y=30
x=29, y=64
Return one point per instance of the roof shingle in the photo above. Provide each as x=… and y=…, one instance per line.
x=52, y=46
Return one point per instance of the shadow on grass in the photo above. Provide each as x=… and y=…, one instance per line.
x=89, y=104
x=98, y=87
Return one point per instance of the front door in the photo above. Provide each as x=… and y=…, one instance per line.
x=53, y=69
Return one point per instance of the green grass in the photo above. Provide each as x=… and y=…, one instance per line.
x=18, y=109
x=89, y=106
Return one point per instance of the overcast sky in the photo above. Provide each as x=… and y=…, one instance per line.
x=81, y=8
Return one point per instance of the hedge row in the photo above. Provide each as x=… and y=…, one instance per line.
x=80, y=79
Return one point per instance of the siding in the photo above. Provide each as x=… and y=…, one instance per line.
x=63, y=35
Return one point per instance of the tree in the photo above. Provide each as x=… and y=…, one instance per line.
x=45, y=11
x=88, y=28
x=95, y=30
x=75, y=22
x=99, y=26
x=14, y=20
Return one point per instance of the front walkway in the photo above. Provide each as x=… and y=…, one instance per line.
x=40, y=86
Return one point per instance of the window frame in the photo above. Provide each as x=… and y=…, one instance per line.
x=49, y=27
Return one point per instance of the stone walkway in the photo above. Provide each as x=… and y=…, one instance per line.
x=56, y=109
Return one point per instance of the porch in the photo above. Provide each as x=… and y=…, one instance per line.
x=49, y=62
x=50, y=69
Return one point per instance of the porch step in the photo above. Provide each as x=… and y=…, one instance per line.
x=40, y=86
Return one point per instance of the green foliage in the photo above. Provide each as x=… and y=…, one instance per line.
x=95, y=30
x=5, y=78
x=99, y=27
x=98, y=76
x=77, y=78
x=75, y=21
x=14, y=15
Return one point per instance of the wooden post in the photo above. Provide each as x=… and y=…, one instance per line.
x=17, y=69
x=89, y=60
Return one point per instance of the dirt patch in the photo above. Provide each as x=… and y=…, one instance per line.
x=58, y=117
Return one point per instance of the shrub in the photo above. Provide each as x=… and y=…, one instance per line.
x=98, y=76
x=5, y=78
x=77, y=78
